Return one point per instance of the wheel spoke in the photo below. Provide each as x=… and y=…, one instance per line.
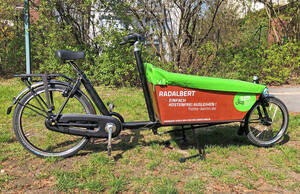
x=270, y=108
x=43, y=101
x=32, y=124
x=36, y=107
x=33, y=110
x=260, y=133
x=275, y=113
x=27, y=135
x=264, y=133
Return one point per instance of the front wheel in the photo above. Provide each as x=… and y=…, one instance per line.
x=267, y=122
x=29, y=122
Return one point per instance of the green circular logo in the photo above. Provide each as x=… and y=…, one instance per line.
x=243, y=102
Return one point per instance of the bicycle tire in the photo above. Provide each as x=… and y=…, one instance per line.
x=31, y=145
x=278, y=123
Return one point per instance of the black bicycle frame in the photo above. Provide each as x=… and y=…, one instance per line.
x=145, y=87
x=152, y=123
x=90, y=90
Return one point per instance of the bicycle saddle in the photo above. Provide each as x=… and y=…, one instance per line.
x=69, y=55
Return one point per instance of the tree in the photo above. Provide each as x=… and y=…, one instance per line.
x=283, y=20
x=177, y=25
x=180, y=27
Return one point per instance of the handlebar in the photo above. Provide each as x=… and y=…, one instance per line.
x=132, y=38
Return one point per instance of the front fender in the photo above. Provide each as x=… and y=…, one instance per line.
x=35, y=85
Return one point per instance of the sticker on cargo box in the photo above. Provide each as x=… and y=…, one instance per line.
x=243, y=102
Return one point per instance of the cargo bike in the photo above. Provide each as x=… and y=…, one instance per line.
x=55, y=118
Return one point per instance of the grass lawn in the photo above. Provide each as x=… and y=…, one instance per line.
x=140, y=163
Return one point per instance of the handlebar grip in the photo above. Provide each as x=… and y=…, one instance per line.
x=125, y=41
x=131, y=38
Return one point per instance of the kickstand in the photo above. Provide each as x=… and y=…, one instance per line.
x=201, y=150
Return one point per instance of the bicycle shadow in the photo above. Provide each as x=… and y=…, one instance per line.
x=221, y=136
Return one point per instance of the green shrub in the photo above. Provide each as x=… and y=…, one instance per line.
x=276, y=64
x=281, y=63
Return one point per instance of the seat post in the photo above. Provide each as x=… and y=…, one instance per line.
x=77, y=69
x=142, y=74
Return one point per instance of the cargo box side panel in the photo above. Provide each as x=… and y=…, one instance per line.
x=185, y=105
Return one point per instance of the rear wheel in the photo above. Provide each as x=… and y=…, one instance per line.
x=29, y=122
x=267, y=122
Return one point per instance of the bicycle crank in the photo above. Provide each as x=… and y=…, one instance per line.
x=110, y=128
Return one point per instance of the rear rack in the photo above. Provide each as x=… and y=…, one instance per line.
x=47, y=76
